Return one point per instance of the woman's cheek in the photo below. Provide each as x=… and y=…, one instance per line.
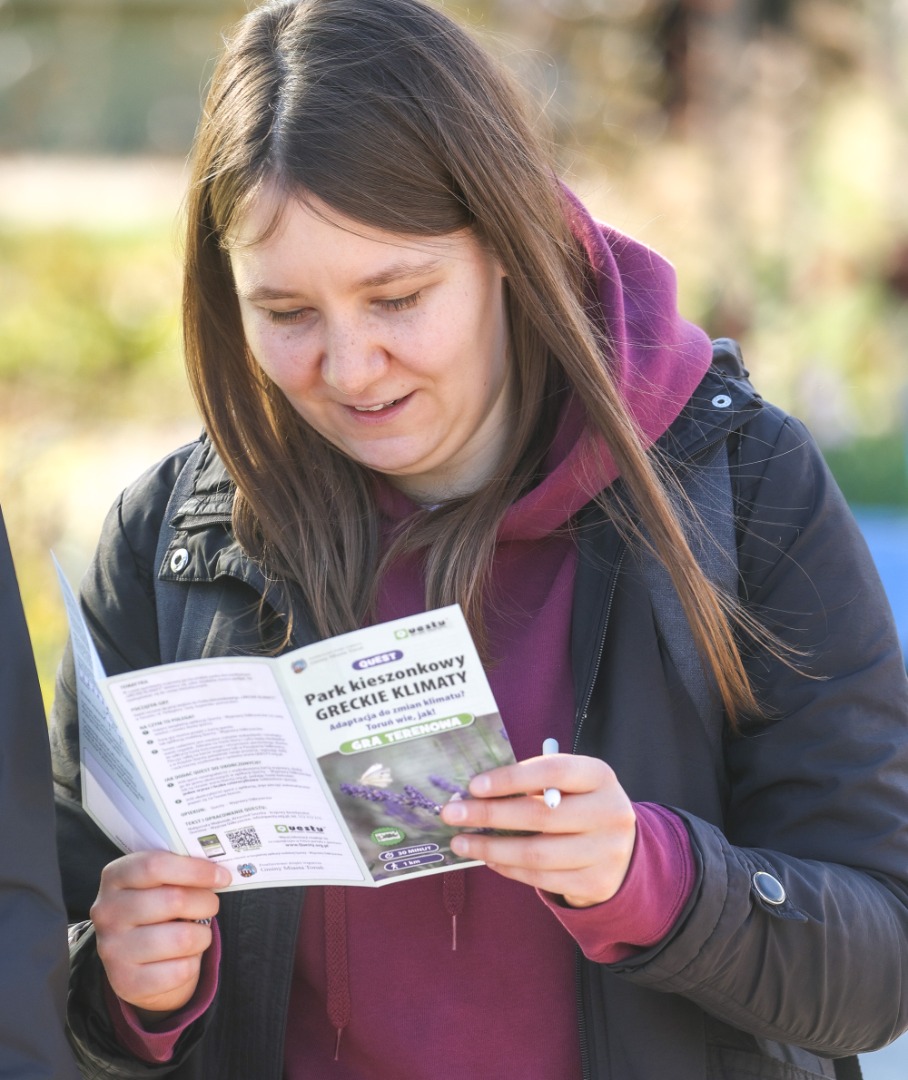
x=283, y=357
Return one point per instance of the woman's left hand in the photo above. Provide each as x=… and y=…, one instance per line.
x=580, y=850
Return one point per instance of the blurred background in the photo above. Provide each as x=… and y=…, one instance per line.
x=762, y=145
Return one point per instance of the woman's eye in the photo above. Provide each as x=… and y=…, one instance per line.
x=297, y=315
x=400, y=303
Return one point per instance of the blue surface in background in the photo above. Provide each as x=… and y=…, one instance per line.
x=886, y=533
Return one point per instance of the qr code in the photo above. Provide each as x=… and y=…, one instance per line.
x=246, y=839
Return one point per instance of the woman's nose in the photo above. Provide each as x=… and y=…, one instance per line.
x=352, y=360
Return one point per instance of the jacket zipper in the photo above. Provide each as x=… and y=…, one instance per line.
x=584, y=709
x=581, y=716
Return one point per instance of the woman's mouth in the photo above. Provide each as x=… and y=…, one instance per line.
x=376, y=408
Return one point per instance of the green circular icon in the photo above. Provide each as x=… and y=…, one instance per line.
x=388, y=834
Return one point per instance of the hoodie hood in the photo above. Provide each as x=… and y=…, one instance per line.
x=657, y=359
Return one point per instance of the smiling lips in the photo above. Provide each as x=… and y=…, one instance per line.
x=376, y=408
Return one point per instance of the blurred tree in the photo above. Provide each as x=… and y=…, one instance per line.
x=105, y=76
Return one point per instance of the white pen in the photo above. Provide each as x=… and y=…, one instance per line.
x=551, y=795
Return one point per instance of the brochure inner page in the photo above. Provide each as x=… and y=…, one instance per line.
x=224, y=755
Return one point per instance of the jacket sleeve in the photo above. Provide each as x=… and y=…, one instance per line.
x=91, y=1030
x=32, y=919
x=818, y=789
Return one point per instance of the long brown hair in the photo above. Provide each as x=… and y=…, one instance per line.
x=394, y=116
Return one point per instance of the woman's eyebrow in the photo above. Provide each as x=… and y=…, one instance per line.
x=264, y=292
x=396, y=272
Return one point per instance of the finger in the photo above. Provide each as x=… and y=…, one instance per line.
x=520, y=813
x=541, y=853
x=567, y=772
x=150, y=869
x=567, y=866
x=120, y=908
x=154, y=944
x=607, y=810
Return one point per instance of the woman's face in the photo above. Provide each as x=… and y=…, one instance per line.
x=393, y=347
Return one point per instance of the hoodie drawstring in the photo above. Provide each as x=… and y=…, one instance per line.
x=338, y=977
x=454, y=891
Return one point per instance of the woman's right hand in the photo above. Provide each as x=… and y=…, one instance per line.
x=145, y=920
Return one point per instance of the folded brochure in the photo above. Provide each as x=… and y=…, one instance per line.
x=327, y=765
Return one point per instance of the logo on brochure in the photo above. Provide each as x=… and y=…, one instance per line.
x=388, y=834
x=246, y=869
x=298, y=666
x=404, y=632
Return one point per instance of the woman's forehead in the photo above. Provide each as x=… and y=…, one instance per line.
x=278, y=225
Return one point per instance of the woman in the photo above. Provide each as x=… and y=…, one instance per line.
x=428, y=376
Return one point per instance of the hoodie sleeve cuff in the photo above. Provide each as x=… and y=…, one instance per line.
x=156, y=1045
x=659, y=881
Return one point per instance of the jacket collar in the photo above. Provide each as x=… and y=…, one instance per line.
x=721, y=404
x=202, y=547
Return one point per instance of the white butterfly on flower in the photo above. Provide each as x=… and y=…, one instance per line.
x=376, y=776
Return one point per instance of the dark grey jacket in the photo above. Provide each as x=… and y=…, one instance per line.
x=816, y=796
x=33, y=956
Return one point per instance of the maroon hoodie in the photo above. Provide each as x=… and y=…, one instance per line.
x=380, y=966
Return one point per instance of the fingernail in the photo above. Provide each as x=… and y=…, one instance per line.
x=454, y=813
x=224, y=877
x=480, y=785
x=460, y=845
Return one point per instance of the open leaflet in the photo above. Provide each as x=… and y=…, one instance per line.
x=325, y=766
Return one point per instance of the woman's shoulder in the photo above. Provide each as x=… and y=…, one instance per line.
x=727, y=404
x=773, y=460
x=723, y=403
x=139, y=511
x=150, y=492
